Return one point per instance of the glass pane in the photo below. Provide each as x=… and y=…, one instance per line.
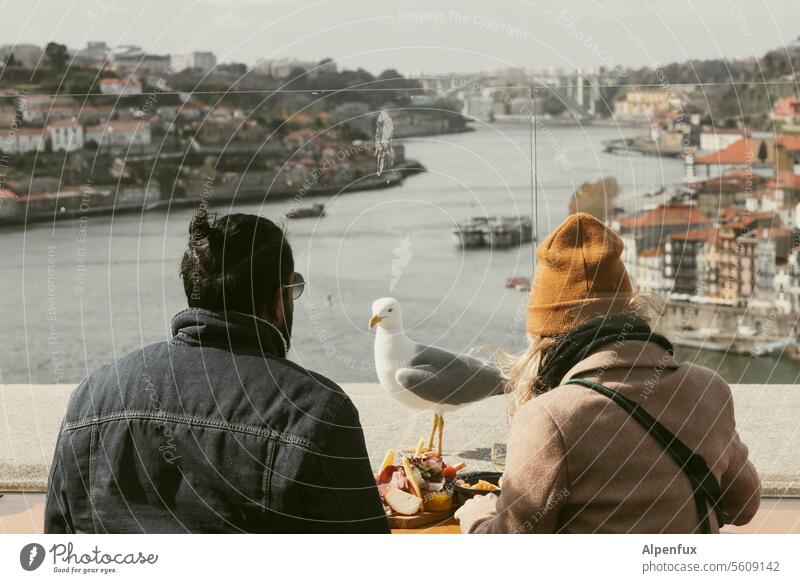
x=422, y=188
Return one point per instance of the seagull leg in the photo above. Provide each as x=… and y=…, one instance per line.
x=433, y=431
x=441, y=430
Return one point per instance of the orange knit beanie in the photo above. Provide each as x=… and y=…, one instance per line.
x=579, y=275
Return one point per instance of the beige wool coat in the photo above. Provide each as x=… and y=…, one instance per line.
x=578, y=463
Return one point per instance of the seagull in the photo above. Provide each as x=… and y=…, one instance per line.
x=425, y=377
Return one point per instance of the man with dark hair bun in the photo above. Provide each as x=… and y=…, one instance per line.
x=214, y=430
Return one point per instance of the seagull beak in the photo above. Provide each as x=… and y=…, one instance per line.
x=373, y=321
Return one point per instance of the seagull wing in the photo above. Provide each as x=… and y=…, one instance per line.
x=440, y=376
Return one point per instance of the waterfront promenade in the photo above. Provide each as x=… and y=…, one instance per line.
x=30, y=416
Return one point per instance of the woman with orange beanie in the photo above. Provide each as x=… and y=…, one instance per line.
x=610, y=433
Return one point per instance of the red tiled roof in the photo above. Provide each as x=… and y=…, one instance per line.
x=727, y=213
x=732, y=181
x=695, y=235
x=791, y=143
x=787, y=180
x=672, y=214
x=769, y=233
x=29, y=131
x=650, y=252
x=786, y=101
x=63, y=122
x=119, y=126
x=744, y=219
x=740, y=151
x=775, y=232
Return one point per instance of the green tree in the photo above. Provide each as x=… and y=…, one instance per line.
x=238, y=69
x=80, y=83
x=56, y=56
x=11, y=60
x=762, y=152
x=297, y=78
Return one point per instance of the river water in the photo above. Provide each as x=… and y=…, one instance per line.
x=77, y=295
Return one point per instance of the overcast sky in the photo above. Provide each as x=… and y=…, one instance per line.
x=430, y=36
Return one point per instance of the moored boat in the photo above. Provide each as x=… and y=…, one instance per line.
x=315, y=210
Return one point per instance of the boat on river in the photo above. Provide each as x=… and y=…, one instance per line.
x=309, y=212
x=493, y=232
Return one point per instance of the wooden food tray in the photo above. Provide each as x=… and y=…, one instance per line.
x=418, y=520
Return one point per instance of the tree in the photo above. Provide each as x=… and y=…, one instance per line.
x=238, y=69
x=297, y=78
x=11, y=60
x=392, y=79
x=390, y=74
x=80, y=83
x=56, y=56
x=762, y=152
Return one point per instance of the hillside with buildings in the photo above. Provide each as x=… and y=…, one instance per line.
x=723, y=247
x=114, y=128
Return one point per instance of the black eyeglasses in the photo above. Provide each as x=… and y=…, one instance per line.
x=298, y=286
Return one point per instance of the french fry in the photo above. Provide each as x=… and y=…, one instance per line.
x=411, y=479
x=388, y=460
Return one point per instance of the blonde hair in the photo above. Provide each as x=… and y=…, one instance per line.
x=520, y=371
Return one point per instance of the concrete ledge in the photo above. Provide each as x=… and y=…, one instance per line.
x=766, y=416
x=29, y=423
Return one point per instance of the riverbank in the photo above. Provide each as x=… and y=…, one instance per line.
x=644, y=146
x=740, y=330
x=76, y=207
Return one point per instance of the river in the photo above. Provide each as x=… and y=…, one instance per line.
x=76, y=295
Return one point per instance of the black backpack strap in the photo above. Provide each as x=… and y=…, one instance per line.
x=705, y=486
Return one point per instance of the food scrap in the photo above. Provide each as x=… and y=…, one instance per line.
x=479, y=485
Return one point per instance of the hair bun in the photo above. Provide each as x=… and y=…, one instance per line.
x=199, y=227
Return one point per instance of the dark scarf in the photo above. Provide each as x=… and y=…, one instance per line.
x=587, y=338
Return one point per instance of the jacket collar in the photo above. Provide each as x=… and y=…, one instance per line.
x=631, y=354
x=198, y=327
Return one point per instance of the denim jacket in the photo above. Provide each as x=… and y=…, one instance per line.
x=211, y=431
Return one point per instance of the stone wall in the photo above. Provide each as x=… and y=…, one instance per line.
x=30, y=416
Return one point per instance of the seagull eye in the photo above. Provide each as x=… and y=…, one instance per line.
x=390, y=309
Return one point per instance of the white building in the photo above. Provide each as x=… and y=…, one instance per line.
x=644, y=104
x=133, y=58
x=22, y=140
x=719, y=139
x=650, y=272
x=202, y=60
x=120, y=134
x=94, y=54
x=280, y=68
x=765, y=269
x=645, y=267
x=478, y=107
x=628, y=254
x=114, y=86
x=66, y=135
x=787, y=286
